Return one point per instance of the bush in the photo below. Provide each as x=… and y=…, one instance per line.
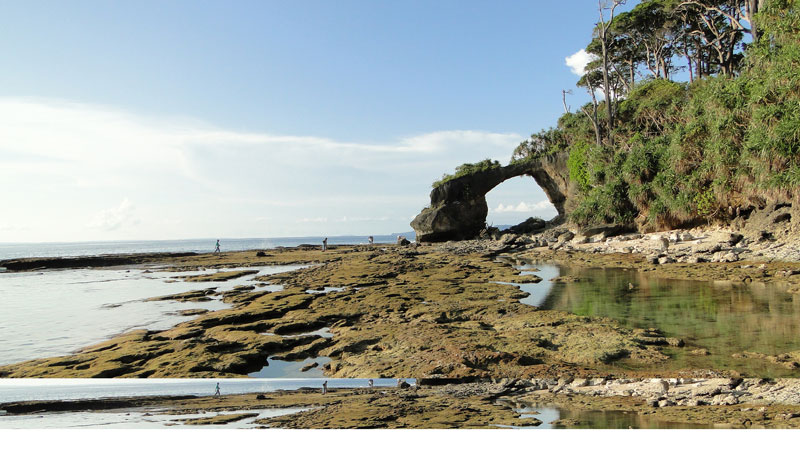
x=577, y=165
x=468, y=169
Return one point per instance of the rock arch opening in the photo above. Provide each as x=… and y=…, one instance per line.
x=516, y=200
x=459, y=210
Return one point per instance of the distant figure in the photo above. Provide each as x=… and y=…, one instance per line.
x=216, y=249
x=324, y=244
x=371, y=383
x=216, y=392
x=325, y=387
x=371, y=240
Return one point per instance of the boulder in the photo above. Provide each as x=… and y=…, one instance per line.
x=402, y=241
x=532, y=224
x=565, y=237
x=734, y=239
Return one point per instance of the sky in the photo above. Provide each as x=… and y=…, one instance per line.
x=195, y=119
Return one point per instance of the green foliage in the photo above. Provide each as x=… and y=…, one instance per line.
x=684, y=152
x=705, y=202
x=541, y=143
x=577, y=165
x=468, y=169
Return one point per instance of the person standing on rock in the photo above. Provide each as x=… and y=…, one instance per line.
x=325, y=387
x=216, y=249
x=216, y=392
x=324, y=244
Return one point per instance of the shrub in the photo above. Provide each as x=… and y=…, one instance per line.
x=468, y=169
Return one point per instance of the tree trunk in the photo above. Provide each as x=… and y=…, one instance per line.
x=751, y=8
x=593, y=118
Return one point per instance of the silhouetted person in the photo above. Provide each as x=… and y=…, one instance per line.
x=371, y=240
x=325, y=387
x=371, y=383
x=324, y=244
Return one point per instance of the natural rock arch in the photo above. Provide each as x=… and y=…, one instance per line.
x=458, y=207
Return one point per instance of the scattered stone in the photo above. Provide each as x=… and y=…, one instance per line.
x=308, y=367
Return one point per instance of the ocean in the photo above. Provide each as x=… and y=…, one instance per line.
x=57, y=249
x=54, y=312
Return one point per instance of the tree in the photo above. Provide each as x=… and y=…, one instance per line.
x=656, y=29
x=718, y=30
x=601, y=30
x=751, y=8
x=591, y=80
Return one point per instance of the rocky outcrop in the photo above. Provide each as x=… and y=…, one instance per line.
x=77, y=262
x=458, y=207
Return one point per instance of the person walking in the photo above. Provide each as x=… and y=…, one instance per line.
x=216, y=249
x=324, y=244
x=325, y=387
x=216, y=392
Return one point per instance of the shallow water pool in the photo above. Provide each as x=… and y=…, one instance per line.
x=725, y=318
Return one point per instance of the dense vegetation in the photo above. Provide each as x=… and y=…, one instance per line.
x=661, y=153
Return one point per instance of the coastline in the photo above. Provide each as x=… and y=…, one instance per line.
x=432, y=312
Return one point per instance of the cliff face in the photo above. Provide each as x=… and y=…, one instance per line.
x=458, y=207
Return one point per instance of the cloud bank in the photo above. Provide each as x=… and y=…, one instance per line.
x=523, y=207
x=79, y=170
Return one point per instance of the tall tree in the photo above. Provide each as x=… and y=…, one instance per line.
x=717, y=26
x=602, y=30
x=656, y=28
x=591, y=81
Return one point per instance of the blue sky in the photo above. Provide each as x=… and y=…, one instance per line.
x=185, y=119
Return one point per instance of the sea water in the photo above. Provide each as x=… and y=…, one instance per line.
x=54, y=312
x=58, y=249
x=29, y=389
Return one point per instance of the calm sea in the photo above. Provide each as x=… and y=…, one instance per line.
x=51, y=249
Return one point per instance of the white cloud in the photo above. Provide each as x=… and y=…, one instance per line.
x=577, y=62
x=189, y=178
x=114, y=218
x=541, y=206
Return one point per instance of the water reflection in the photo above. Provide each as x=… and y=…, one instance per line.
x=558, y=417
x=278, y=368
x=721, y=317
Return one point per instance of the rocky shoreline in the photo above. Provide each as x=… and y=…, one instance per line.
x=701, y=403
x=445, y=313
